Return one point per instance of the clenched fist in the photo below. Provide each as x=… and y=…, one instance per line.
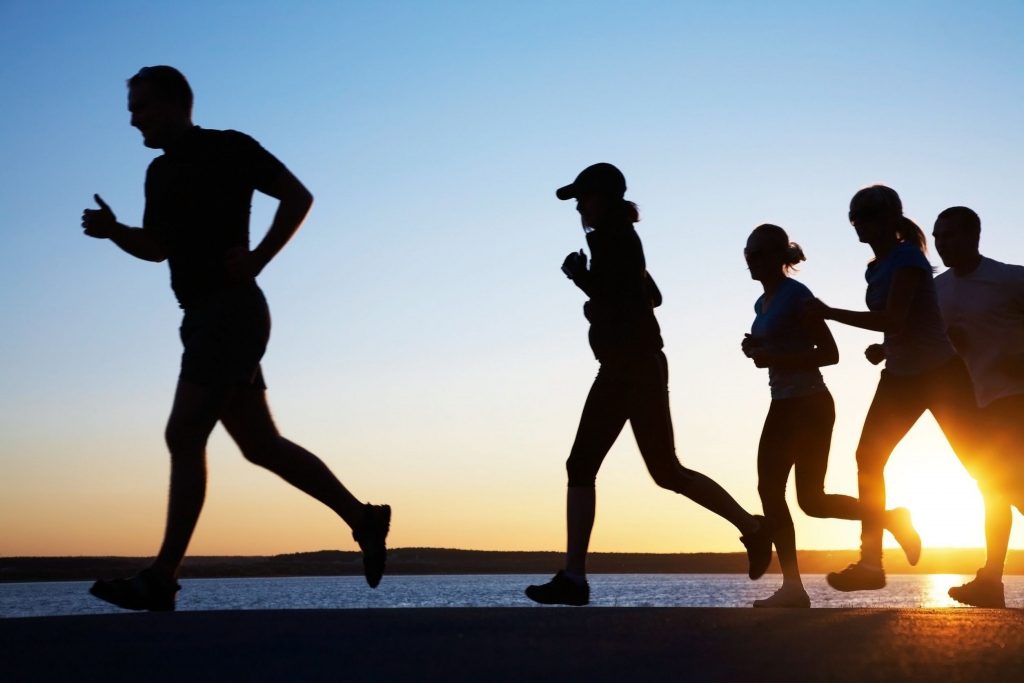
x=99, y=223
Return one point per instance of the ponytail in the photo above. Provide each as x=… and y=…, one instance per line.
x=630, y=211
x=793, y=255
x=791, y=252
x=909, y=231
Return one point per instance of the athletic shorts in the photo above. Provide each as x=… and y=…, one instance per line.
x=225, y=338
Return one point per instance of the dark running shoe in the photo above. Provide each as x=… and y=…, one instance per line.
x=982, y=591
x=370, y=536
x=759, y=548
x=144, y=591
x=786, y=596
x=857, y=577
x=906, y=535
x=561, y=590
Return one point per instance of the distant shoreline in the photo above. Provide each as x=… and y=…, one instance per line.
x=426, y=561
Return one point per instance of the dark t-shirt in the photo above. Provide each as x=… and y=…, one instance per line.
x=198, y=197
x=923, y=344
x=622, y=296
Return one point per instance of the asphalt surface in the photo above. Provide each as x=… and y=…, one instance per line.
x=516, y=644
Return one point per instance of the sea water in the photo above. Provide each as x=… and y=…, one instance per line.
x=493, y=590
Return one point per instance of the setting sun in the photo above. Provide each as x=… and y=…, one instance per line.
x=925, y=476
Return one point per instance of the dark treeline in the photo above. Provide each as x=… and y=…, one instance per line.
x=411, y=561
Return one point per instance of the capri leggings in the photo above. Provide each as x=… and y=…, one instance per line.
x=797, y=434
x=633, y=389
x=898, y=403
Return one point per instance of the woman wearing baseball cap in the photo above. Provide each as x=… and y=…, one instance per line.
x=631, y=384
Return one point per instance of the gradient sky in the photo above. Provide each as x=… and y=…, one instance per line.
x=425, y=343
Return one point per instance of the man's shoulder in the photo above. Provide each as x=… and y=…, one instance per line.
x=1000, y=269
x=226, y=137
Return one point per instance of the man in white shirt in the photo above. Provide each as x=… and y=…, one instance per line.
x=982, y=302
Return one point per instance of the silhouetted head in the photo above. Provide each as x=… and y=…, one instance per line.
x=876, y=213
x=160, y=102
x=957, y=234
x=769, y=253
x=599, y=193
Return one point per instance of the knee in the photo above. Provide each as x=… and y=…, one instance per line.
x=812, y=503
x=579, y=473
x=673, y=477
x=183, y=441
x=769, y=491
x=870, y=460
x=263, y=452
x=773, y=497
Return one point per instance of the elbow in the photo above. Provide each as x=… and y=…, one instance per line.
x=831, y=358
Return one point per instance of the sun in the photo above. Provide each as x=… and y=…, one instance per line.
x=925, y=476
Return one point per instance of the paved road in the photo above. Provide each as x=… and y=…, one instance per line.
x=539, y=644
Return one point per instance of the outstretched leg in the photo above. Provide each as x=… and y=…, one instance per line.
x=248, y=420
x=818, y=413
x=651, y=420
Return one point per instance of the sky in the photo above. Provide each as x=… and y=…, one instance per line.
x=425, y=343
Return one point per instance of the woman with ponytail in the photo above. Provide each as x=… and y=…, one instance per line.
x=798, y=428
x=922, y=370
x=631, y=384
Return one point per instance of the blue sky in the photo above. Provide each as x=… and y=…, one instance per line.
x=425, y=342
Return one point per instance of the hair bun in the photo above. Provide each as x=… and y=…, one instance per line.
x=794, y=254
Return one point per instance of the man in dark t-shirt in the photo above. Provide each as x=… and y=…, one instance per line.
x=198, y=197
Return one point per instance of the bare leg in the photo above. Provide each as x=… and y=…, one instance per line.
x=193, y=417
x=248, y=420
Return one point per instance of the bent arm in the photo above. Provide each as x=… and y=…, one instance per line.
x=138, y=242
x=825, y=351
x=893, y=318
x=296, y=201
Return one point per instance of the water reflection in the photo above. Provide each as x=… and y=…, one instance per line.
x=934, y=593
x=608, y=590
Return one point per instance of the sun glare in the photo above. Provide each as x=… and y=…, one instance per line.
x=925, y=476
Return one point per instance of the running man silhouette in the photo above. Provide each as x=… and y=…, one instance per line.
x=198, y=195
x=922, y=371
x=631, y=385
x=982, y=302
x=798, y=428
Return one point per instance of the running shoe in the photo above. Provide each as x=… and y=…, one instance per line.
x=906, y=535
x=759, y=548
x=786, y=597
x=561, y=590
x=370, y=536
x=857, y=577
x=982, y=591
x=144, y=591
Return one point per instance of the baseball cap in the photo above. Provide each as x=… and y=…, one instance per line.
x=602, y=178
